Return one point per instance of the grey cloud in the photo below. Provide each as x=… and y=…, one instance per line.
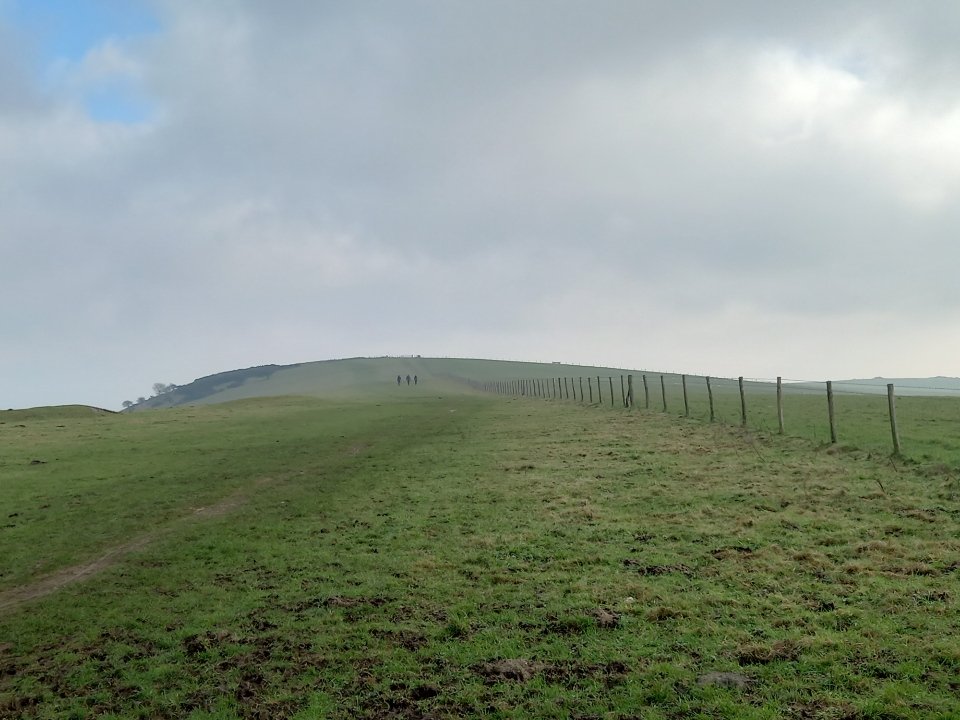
x=328, y=179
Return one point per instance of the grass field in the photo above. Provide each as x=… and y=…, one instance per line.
x=420, y=553
x=929, y=425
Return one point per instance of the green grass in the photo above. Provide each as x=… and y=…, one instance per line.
x=929, y=427
x=385, y=558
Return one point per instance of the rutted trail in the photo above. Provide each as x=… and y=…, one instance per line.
x=12, y=599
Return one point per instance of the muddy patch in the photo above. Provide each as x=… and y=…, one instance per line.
x=605, y=618
x=406, y=639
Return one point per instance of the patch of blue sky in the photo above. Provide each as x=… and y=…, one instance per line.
x=68, y=29
x=64, y=31
x=118, y=102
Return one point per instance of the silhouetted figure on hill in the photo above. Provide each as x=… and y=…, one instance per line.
x=408, y=379
x=414, y=379
x=399, y=379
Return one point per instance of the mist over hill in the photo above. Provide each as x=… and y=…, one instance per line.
x=356, y=377
x=367, y=377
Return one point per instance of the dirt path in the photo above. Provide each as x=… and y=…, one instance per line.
x=13, y=598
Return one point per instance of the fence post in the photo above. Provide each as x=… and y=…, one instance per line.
x=663, y=393
x=646, y=394
x=780, y=404
x=581, y=388
x=833, y=421
x=599, y=392
x=710, y=398
x=590, y=388
x=566, y=388
x=630, y=390
x=623, y=392
x=610, y=378
x=686, y=405
x=743, y=404
x=892, y=404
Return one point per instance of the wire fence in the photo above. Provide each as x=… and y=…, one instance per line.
x=920, y=422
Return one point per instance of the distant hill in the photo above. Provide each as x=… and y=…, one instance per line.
x=371, y=377
x=939, y=386
x=53, y=412
x=357, y=377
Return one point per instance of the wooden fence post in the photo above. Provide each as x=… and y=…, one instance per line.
x=630, y=390
x=743, y=404
x=623, y=392
x=581, y=388
x=663, y=393
x=590, y=388
x=610, y=378
x=710, y=398
x=833, y=420
x=892, y=404
x=686, y=404
x=646, y=394
x=780, y=404
x=599, y=392
x=566, y=389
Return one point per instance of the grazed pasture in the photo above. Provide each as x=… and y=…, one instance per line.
x=420, y=556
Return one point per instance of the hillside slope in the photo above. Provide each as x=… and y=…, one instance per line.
x=357, y=377
x=371, y=377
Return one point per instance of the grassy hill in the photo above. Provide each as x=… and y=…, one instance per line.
x=356, y=377
x=463, y=555
x=929, y=419
x=63, y=412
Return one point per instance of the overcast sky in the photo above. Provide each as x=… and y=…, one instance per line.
x=737, y=188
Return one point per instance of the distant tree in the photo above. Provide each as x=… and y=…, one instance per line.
x=127, y=404
x=160, y=388
x=141, y=399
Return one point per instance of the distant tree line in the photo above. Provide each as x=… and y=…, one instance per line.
x=158, y=389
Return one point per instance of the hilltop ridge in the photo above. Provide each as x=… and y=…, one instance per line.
x=369, y=376
x=357, y=376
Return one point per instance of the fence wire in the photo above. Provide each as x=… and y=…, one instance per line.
x=928, y=416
